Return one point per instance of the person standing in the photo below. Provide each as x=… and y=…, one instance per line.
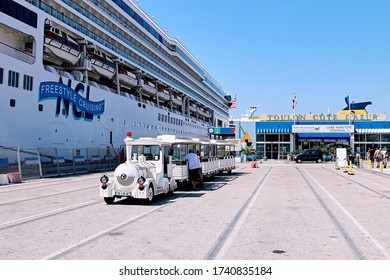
x=200, y=175
x=377, y=155
x=193, y=167
x=384, y=157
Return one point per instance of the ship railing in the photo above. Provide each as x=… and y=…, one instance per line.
x=17, y=53
x=33, y=163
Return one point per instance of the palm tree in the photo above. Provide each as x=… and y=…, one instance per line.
x=248, y=151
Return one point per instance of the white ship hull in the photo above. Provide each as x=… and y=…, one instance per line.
x=53, y=109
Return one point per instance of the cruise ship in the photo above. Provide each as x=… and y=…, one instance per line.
x=76, y=74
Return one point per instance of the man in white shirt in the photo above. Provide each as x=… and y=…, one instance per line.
x=193, y=166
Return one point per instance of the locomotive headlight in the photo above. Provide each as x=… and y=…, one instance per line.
x=141, y=180
x=104, y=179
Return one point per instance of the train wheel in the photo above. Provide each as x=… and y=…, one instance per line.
x=150, y=193
x=109, y=200
x=171, y=190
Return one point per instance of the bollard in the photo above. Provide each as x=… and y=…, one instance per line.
x=345, y=166
x=361, y=163
x=381, y=167
x=350, y=172
x=369, y=164
x=337, y=164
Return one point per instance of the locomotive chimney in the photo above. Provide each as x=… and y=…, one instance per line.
x=128, y=140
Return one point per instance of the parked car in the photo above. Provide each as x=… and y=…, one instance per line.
x=310, y=155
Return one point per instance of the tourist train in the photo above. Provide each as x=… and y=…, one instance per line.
x=154, y=166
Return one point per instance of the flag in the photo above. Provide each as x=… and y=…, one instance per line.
x=294, y=102
x=232, y=104
x=347, y=100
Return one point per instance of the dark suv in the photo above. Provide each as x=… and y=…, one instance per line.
x=310, y=155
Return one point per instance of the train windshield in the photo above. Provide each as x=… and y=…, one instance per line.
x=150, y=152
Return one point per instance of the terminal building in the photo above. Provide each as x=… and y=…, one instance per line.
x=278, y=136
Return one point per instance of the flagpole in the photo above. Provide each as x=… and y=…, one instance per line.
x=349, y=107
x=294, y=106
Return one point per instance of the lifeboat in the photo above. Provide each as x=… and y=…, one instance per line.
x=193, y=107
x=163, y=94
x=101, y=63
x=148, y=88
x=61, y=45
x=127, y=78
x=177, y=100
x=204, y=112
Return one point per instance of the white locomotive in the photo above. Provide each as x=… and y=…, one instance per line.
x=148, y=171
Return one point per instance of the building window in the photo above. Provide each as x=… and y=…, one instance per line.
x=386, y=138
x=272, y=138
x=373, y=138
x=259, y=137
x=13, y=79
x=284, y=137
x=27, y=82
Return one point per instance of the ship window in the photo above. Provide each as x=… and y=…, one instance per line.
x=27, y=82
x=19, y=12
x=40, y=107
x=12, y=102
x=1, y=75
x=13, y=79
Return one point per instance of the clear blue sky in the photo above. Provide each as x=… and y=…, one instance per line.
x=265, y=51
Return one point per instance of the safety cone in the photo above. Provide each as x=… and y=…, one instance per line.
x=350, y=172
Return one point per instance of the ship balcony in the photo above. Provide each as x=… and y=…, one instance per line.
x=17, y=53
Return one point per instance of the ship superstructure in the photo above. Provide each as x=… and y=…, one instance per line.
x=83, y=73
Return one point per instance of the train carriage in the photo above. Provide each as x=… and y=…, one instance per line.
x=180, y=146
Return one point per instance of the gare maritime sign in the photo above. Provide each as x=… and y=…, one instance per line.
x=322, y=117
x=322, y=129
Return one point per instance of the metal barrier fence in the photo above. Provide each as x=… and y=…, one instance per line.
x=49, y=162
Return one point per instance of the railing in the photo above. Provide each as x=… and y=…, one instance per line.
x=16, y=53
x=49, y=162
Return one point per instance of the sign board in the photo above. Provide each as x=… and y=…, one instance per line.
x=322, y=117
x=323, y=128
x=341, y=157
x=222, y=130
